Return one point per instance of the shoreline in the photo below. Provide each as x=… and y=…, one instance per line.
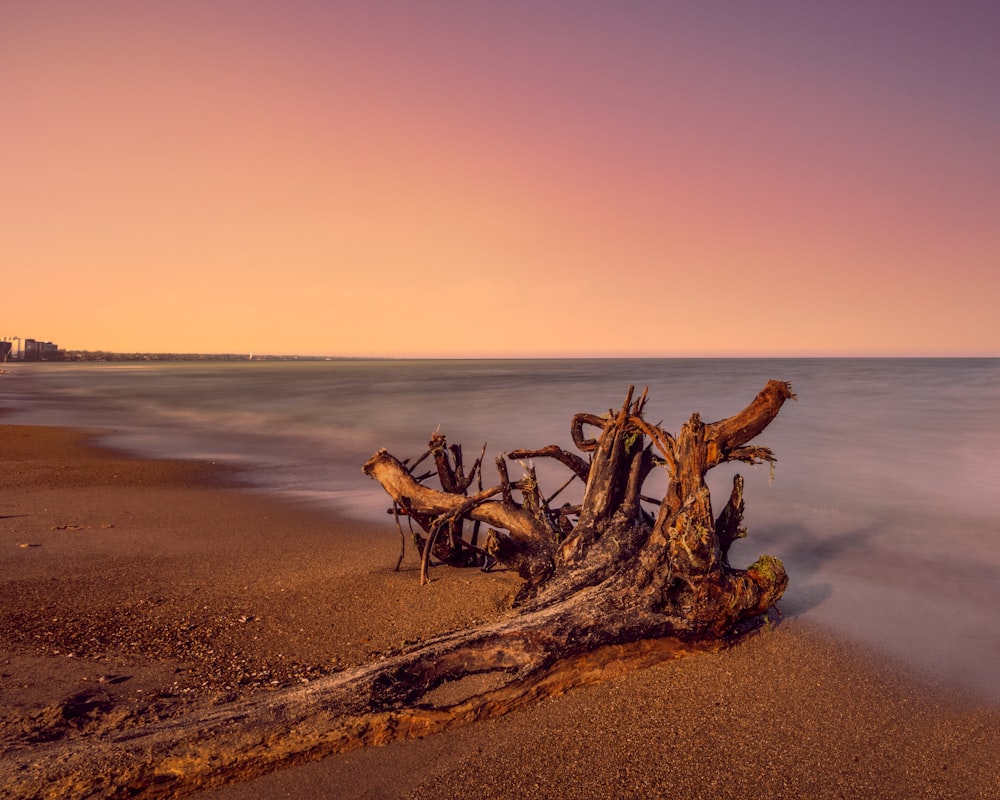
x=133, y=590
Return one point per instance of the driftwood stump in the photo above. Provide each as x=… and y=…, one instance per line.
x=616, y=582
x=619, y=567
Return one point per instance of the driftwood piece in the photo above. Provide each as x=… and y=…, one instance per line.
x=668, y=562
x=609, y=585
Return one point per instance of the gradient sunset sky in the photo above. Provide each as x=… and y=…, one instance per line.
x=488, y=179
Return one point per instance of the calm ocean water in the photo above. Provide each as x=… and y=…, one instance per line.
x=883, y=503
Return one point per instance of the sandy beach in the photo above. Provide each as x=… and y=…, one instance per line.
x=134, y=591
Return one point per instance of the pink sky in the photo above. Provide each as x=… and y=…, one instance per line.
x=502, y=179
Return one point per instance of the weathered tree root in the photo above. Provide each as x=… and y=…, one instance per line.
x=674, y=564
x=619, y=588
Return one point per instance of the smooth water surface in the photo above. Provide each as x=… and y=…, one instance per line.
x=882, y=503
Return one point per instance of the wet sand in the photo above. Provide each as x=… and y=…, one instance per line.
x=133, y=591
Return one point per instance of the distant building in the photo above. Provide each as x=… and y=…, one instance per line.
x=41, y=351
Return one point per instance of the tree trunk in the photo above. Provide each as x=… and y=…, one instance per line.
x=619, y=588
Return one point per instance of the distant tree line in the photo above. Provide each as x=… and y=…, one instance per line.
x=104, y=355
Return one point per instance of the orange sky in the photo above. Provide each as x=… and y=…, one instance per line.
x=498, y=179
